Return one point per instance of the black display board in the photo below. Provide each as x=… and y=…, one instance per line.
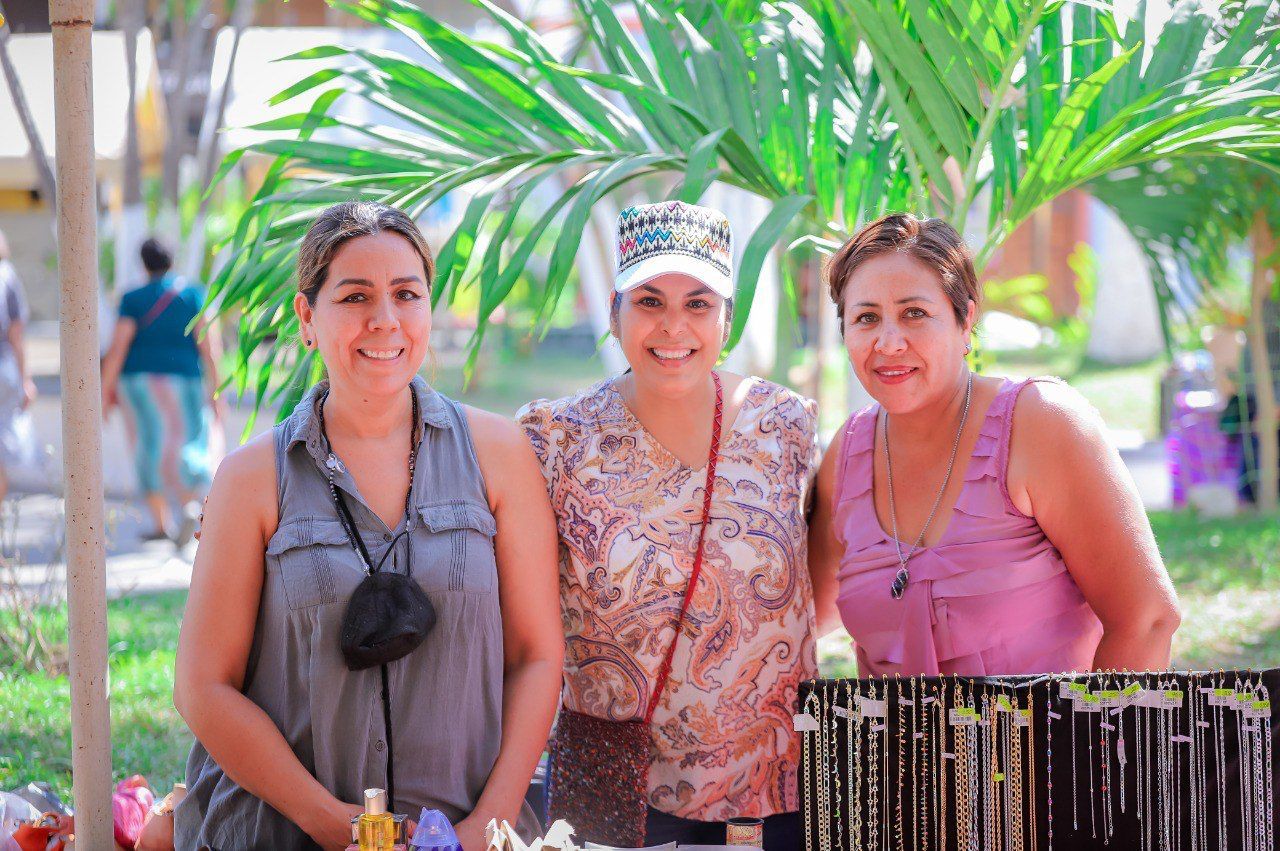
x=1177, y=765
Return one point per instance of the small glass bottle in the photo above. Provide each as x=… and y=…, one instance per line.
x=376, y=829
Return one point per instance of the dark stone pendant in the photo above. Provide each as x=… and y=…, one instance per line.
x=899, y=586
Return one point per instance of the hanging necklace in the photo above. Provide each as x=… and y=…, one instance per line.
x=903, y=576
x=806, y=744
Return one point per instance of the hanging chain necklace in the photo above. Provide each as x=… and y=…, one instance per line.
x=903, y=576
x=806, y=740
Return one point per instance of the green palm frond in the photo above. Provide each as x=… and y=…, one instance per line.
x=762, y=102
x=834, y=111
x=1030, y=99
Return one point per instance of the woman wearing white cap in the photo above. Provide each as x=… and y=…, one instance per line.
x=680, y=494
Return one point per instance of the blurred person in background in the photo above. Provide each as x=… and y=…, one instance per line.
x=163, y=367
x=17, y=390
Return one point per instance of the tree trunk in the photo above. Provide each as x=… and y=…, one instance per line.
x=207, y=147
x=1265, y=421
x=189, y=50
x=44, y=172
x=132, y=220
x=72, y=25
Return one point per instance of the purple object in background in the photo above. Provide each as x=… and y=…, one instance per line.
x=435, y=832
x=1197, y=450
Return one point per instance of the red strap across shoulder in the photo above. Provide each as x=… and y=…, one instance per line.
x=664, y=672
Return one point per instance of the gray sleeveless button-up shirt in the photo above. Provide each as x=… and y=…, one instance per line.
x=446, y=696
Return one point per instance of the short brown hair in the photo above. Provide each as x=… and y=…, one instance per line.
x=933, y=242
x=346, y=221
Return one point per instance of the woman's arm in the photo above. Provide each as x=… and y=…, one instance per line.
x=113, y=360
x=17, y=342
x=213, y=650
x=1063, y=472
x=209, y=347
x=824, y=549
x=533, y=638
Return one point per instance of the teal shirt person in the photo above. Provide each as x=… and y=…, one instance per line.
x=162, y=343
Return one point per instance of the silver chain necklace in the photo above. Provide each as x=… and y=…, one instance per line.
x=903, y=576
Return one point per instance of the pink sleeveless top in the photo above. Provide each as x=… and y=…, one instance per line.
x=992, y=597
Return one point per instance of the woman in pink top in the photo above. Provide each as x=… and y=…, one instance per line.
x=970, y=524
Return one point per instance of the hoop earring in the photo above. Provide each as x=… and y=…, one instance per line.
x=968, y=347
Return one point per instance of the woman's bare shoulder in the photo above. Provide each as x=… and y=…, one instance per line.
x=245, y=484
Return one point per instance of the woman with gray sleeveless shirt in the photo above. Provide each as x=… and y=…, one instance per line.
x=374, y=469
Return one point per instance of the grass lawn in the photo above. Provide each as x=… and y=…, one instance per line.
x=1227, y=573
x=148, y=736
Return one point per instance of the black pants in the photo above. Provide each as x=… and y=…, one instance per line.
x=782, y=832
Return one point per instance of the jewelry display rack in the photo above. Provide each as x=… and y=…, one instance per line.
x=1155, y=761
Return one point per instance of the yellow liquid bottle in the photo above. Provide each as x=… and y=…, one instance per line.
x=376, y=829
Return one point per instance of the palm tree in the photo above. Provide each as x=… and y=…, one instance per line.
x=835, y=113
x=1209, y=211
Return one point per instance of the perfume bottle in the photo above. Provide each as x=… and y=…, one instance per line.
x=376, y=829
x=434, y=833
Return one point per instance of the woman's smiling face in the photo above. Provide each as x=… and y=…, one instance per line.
x=901, y=331
x=372, y=315
x=671, y=329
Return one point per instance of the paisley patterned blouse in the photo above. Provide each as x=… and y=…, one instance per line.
x=628, y=513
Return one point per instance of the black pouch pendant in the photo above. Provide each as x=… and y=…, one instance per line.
x=387, y=617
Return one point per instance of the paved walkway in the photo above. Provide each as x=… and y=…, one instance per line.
x=31, y=528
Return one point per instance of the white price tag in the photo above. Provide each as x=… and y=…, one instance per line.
x=872, y=708
x=845, y=712
x=805, y=723
x=1221, y=697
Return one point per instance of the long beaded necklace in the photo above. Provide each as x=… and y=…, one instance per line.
x=966, y=771
x=1075, y=770
x=1244, y=747
x=900, y=700
x=1006, y=760
x=1017, y=766
x=1032, y=785
x=1050, y=717
x=1220, y=752
x=1176, y=743
x=873, y=787
x=1264, y=741
x=991, y=772
x=835, y=769
x=1256, y=794
x=975, y=775
x=903, y=576
x=884, y=726
x=940, y=811
x=806, y=755
x=1088, y=735
x=1164, y=746
x=1199, y=777
x=919, y=740
x=1106, y=727
x=824, y=776
x=1122, y=752
x=1141, y=768
x=855, y=764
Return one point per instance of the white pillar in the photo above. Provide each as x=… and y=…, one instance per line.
x=72, y=23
